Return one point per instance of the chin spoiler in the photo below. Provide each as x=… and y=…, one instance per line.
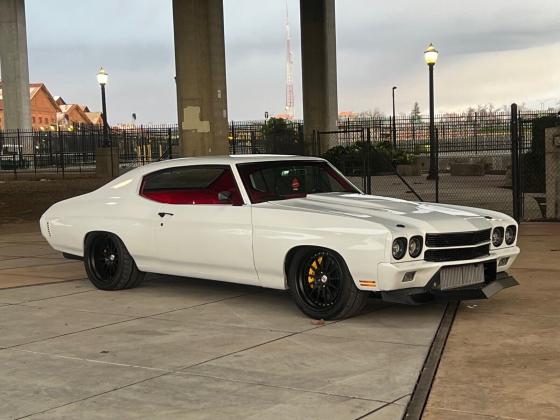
x=464, y=282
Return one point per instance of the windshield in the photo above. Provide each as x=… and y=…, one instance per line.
x=282, y=180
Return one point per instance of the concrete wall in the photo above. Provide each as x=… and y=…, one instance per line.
x=318, y=60
x=13, y=65
x=201, y=76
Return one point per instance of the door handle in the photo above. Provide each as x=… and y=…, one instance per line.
x=163, y=214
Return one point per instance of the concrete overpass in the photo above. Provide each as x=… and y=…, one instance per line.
x=200, y=70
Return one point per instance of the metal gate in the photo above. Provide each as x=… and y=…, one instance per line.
x=367, y=164
x=529, y=172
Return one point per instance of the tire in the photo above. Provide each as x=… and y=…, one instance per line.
x=108, y=264
x=322, y=287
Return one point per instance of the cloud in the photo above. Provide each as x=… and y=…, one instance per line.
x=490, y=51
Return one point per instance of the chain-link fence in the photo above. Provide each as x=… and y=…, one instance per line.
x=533, y=176
x=473, y=155
x=487, y=160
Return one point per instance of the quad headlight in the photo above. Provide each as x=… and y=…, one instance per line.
x=511, y=231
x=399, y=248
x=497, y=236
x=415, y=246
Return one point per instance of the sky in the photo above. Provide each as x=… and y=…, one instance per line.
x=498, y=52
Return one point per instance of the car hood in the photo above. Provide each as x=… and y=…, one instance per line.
x=390, y=212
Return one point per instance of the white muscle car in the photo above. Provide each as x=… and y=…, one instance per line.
x=284, y=222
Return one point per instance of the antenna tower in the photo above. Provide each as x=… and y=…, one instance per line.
x=289, y=70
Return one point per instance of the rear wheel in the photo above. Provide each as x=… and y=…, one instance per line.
x=108, y=264
x=322, y=286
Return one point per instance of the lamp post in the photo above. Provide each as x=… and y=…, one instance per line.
x=431, y=56
x=102, y=79
x=394, y=122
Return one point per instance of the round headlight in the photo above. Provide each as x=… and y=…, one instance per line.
x=415, y=246
x=510, y=234
x=399, y=248
x=497, y=236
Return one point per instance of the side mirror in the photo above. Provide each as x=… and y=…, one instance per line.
x=227, y=197
x=224, y=196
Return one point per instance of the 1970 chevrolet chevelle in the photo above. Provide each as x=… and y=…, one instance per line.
x=284, y=222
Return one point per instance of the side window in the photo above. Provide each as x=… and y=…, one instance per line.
x=208, y=184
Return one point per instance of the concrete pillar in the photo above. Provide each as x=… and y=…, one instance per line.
x=201, y=76
x=107, y=162
x=13, y=65
x=552, y=172
x=318, y=62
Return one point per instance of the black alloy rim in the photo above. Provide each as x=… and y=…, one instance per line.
x=320, y=280
x=105, y=259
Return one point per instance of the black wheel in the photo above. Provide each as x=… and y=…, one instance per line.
x=322, y=286
x=108, y=264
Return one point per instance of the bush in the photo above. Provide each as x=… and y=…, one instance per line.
x=283, y=136
x=350, y=160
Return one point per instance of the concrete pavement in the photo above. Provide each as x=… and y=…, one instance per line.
x=502, y=358
x=185, y=348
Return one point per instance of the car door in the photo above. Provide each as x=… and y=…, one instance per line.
x=203, y=227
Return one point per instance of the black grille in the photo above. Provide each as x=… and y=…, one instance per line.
x=456, y=254
x=436, y=240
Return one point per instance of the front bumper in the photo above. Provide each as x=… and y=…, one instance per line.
x=391, y=276
x=431, y=292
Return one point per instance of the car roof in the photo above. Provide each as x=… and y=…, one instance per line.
x=228, y=159
x=207, y=160
x=222, y=160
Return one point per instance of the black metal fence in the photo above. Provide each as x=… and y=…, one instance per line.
x=471, y=132
x=63, y=151
x=488, y=160
x=274, y=136
x=475, y=156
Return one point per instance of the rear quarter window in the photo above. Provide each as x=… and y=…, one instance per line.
x=192, y=185
x=181, y=178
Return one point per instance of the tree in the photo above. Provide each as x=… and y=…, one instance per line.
x=415, y=114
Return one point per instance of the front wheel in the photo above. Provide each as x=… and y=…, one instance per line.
x=108, y=264
x=322, y=286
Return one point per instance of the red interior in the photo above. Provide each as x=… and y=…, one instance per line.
x=209, y=195
x=286, y=191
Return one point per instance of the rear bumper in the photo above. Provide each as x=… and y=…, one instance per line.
x=419, y=295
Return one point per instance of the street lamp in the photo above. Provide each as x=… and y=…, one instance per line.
x=431, y=56
x=394, y=122
x=102, y=79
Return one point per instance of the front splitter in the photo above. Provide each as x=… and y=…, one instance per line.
x=419, y=295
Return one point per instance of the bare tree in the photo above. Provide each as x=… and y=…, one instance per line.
x=415, y=114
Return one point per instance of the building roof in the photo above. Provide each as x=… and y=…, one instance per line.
x=94, y=117
x=34, y=88
x=67, y=108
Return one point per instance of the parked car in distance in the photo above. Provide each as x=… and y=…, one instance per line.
x=12, y=157
x=283, y=222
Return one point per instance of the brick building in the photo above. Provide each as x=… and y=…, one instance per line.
x=72, y=115
x=48, y=112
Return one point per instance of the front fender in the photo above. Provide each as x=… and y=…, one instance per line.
x=361, y=243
